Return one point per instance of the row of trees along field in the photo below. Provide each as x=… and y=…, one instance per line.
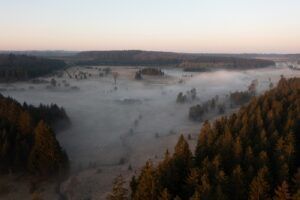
x=27, y=142
x=252, y=154
x=22, y=67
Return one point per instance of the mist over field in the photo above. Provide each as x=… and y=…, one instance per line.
x=109, y=125
x=118, y=126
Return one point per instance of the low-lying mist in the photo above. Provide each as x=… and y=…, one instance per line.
x=112, y=126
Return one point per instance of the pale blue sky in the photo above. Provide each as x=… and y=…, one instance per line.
x=170, y=25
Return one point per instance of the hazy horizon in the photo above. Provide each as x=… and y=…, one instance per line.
x=207, y=26
x=150, y=50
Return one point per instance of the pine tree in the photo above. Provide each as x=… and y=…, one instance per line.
x=259, y=187
x=193, y=178
x=46, y=156
x=204, y=187
x=237, y=149
x=164, y=172
x=237, y=184
x=296, y=188
x=296, y=180
x=196, y=196
x=146, y=188
x=282, y=192
x=165, y=195
x=182, y=149
x=25, y=123
x=119, y=192
x=133, y=186
x=249, y=158
x=181, y=163
x=219, y=194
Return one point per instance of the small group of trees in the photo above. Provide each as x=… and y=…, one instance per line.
x=189, y=96
x=82, y=75
x=242, y=97
x=152, y=72
x=197, y=112
x=148, y=71
x=138, y=75
x=252, y=154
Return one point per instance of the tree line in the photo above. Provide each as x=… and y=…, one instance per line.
x=156, y=58
x=22, y=67
x=237, y=98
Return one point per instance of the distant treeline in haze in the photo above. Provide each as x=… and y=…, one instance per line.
x=22, y=67
x=155, y=58
x=18, y=67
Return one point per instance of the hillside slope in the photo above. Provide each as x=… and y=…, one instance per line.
x=251, y=154
x=156, y=58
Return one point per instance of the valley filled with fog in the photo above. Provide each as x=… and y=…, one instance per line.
x=117, y=126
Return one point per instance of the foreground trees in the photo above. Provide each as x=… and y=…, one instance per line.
x=251, y=154
x=46, y=156
x=27, y=143
x=119, y=192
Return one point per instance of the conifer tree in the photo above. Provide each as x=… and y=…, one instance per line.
x=46, y=156
x=259, y=187
x=165, y=195
x=146, y=189
x=119, y=192
x=237, y=184
x=25, y=123
x=196, y=196
x=204, y=187
x=181, y=162
x=282, y=192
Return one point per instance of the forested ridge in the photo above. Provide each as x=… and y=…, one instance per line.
x=27, y=140
x=191, y=62
x=251, y=154
x=22, y=67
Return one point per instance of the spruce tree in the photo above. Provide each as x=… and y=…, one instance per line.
x=282, y=192
x=46, y=156
x=119, y=192
x=259, y=187
x=146, y=188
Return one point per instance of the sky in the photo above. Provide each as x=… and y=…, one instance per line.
x=204, y=26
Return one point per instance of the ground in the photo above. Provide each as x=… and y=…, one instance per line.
x=115, y=126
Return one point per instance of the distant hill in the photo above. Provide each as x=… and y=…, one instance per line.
x=156, y=58
x=22, y=67
x=188, y=61
x=48, y=54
